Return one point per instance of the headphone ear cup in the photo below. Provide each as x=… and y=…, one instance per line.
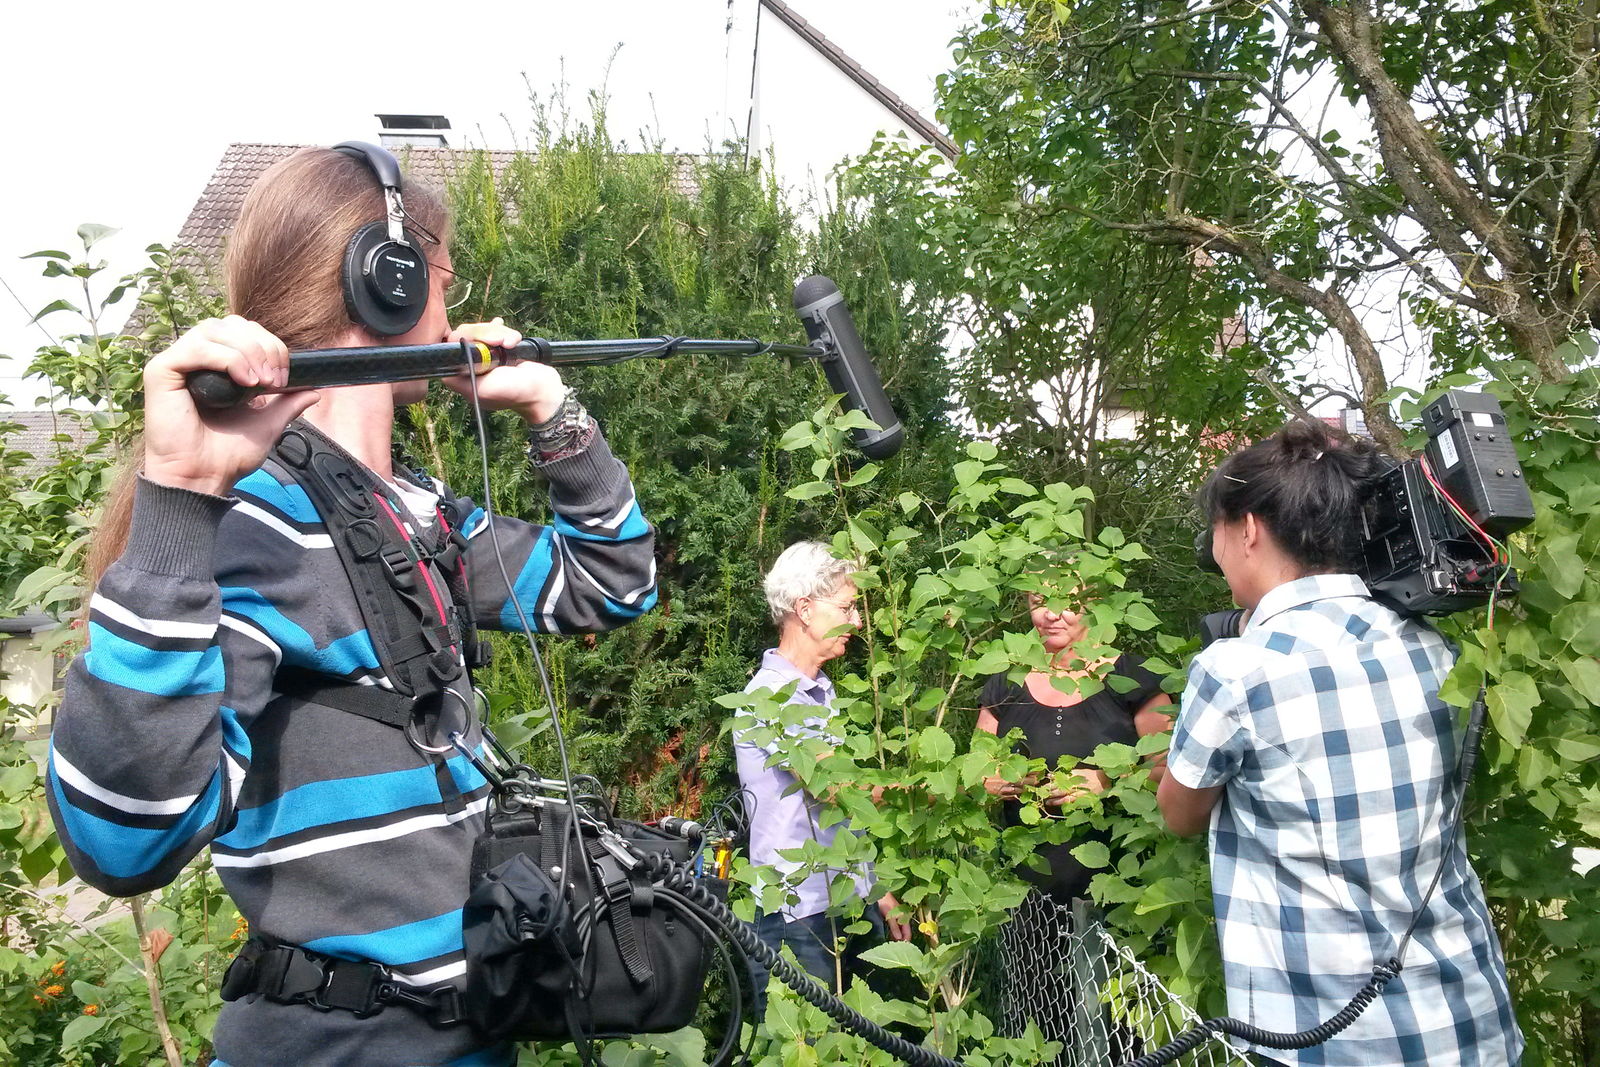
x=385, y=284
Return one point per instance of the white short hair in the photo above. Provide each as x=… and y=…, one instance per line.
x=804, y=569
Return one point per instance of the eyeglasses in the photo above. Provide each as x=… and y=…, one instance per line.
x=848, y=608
x=458, y=291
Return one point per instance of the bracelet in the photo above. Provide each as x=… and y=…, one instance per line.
x=564, y=434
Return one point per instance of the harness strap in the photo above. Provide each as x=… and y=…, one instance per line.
x=368, y=701
x=381, y=562
x=623, y=891
x=289, y=974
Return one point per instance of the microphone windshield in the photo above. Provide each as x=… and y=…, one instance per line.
x=849, y=369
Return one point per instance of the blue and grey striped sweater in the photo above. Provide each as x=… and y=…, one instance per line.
x=328, y=829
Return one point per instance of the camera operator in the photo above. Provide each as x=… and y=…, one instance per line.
x=1317, y=750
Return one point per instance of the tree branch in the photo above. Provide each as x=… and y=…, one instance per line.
x=1199, y=233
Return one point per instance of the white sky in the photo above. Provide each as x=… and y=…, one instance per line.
x=119, y=112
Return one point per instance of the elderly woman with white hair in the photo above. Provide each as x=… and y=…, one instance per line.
x=813, y=600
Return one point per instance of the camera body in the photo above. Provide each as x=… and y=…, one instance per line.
x=1417, y=554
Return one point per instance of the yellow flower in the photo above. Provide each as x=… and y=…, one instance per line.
x=58, y=968
x=928, y=927
x=91, y=1009
x=54, y=990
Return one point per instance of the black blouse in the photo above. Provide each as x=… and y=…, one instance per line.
x=1050, y=733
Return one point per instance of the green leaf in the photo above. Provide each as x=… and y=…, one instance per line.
x=1584, y=674
x=53, y=307
x=1140, y=617
x=926, y=588
x=1092, y=854
x=48, y=253
x=89, y=994
x=970, y=579
x=1580, y=749
x=856, y=419
x=864, y=536
x=1511, y=703
x=800, y=435
x=1562, y=565
x=864, y=475
x=1017, y=487
x=1579, y=626
x=809, y=490
x=935, y=746
x=900, y=955
x=983, y=451
x=80, y=1028
x=909, y=502
x=38, y=583
x=92, y=233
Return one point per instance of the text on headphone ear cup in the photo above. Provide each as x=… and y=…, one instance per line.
x=385, y=284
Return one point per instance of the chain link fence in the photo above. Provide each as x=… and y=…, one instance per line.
x=1056, y=966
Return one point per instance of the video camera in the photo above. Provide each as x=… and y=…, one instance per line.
x=1430, y=523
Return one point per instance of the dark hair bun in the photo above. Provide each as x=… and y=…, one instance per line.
x=1306, y=482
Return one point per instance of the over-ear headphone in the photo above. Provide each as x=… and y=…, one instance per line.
x=385, y=274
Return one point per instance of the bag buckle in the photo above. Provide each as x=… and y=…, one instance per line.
x=441, y=1006
x=399, y=567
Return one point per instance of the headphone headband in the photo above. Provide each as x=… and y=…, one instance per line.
x=387, y=170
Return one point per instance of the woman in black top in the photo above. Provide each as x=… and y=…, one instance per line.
x=1034, y=983
x=1056, y=724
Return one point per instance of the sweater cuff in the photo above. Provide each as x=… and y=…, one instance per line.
x=590, y=474
x=174, y=531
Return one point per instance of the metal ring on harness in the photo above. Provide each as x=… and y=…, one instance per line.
x=439, y=750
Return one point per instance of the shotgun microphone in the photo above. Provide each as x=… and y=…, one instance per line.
x=845, y=361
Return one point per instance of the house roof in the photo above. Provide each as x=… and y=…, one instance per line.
x=880, y=92
x=44, y=436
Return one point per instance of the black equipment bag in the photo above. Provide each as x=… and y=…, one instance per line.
x=592, y=951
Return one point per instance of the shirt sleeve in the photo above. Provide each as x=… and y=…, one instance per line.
x=1208, y=741
x=994, y=693
x=150, y=746
x=592, y=569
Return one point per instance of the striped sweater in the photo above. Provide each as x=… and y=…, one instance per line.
x=329, y=830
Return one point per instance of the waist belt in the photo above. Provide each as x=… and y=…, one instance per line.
x=289, y=974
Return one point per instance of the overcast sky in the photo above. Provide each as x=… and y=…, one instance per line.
x=119, y=112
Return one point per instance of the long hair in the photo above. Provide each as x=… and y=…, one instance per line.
x=1306, y=482
x=281, y=269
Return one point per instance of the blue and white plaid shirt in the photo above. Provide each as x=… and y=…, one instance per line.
x=1323, y=722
